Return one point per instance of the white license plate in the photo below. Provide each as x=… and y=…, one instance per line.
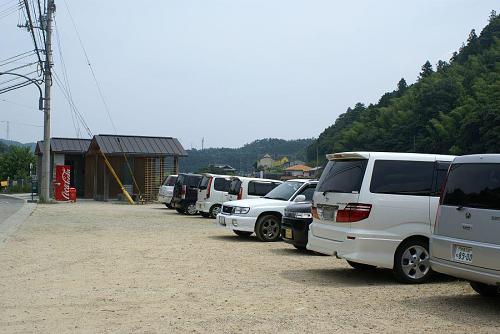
x=222, y=221
x=462, y=253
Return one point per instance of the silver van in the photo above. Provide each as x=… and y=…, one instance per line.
x=466, y=239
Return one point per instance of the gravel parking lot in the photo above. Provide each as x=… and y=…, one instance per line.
x=96, y=267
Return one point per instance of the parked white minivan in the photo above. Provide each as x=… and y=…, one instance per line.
x=166, y=190
x=250, y=187
x=466, y=239
x=377, y=209
x=212, y=192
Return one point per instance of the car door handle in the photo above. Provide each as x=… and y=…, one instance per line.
x=467, y=227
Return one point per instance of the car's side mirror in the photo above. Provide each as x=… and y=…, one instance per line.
x=300, y=198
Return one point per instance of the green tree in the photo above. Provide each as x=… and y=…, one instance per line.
x=15, y=163
x=402, y=85
x=426, y=70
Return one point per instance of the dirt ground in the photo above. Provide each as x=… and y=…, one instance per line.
x=111, y=268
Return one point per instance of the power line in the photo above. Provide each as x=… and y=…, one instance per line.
x=18, y=104
x=31, y=29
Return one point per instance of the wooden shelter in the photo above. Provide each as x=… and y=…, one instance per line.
x=140, y=162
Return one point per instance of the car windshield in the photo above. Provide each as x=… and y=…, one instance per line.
x=284, y=191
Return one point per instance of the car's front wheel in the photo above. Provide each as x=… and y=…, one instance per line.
x=214, y=211
x=268, y=228
x=485, y=290
x=180, y=211
x=412, y=261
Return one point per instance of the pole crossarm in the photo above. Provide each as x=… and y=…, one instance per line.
x=32, y=81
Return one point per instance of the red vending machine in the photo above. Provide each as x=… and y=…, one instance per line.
x=62, y=183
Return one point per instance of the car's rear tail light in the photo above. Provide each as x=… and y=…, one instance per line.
x=240, y=193
x=209, y=186
x=353, y=212
x=314, y=211
x=183, y=192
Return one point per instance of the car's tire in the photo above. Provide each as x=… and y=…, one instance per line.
x=169, y=206
x=242, y=233
x=204, y=214
x=191, y=209
x=268, y=228
x=301, y=248
x=485, y=290
x=412, y=261
x=360, y=266
x=215, y=210
x=181, y=211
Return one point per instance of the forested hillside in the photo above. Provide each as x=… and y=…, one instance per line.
x=454, y=109
x=244, y=157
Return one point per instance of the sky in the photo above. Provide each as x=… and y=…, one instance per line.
x=229, y=71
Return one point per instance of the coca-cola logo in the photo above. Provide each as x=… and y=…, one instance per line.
x=66, y=177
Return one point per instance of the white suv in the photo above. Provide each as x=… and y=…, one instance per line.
x=263, y=215
x=212, y=192
x=378, y=209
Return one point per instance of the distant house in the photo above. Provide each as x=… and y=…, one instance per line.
x=282, y=161
x=140, y=162
x=266, y=162
x=226, y=169
x=298, y=171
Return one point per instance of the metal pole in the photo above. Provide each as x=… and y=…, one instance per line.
x=46, y=172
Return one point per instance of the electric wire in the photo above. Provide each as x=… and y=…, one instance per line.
x=18, y=104
x=31, y=29
x=101, y=95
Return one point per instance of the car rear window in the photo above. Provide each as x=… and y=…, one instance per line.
x=234, y=186
x=402, y=177
x=221, y=184
x=474, y=186
x=204, y=182
x=342, y=176
x=193, y=181
x=170, y=181
x=258, y=188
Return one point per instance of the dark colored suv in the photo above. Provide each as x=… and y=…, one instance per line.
x=186, y=193
x=295, y=224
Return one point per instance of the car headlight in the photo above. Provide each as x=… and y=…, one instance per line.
x=303, y=215
x=239, y=210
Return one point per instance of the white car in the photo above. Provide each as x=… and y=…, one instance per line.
x=212, y=192
x=250, y=187
x=263, y=215
x=166, y=190
x=378, y=209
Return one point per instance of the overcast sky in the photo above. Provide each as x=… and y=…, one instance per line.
x=232, y=71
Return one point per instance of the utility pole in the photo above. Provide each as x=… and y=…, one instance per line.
x=47, y=72
x=202, y=143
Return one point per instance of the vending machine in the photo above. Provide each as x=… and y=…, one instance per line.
x=62, y=183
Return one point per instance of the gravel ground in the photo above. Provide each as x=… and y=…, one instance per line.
x=108, y=268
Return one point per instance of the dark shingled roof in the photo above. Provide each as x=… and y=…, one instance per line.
x=65, y=145
x=139, y=145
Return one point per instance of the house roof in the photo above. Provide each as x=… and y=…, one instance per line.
x=266, y=156
x=64, y=145
x=139, y=145
x=301, y=168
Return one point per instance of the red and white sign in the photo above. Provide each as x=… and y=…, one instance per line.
x=62, y=183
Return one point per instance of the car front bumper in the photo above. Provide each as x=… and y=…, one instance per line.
x=237, y=223
x=299, y=230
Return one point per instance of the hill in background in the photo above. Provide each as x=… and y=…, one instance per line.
x=243, y=158
x=454, y=109
x=16, y=143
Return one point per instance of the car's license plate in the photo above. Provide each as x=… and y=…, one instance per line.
x=462, y=253
x=288, y=233
x=222, y=221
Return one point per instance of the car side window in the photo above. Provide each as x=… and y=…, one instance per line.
x=402, y=177
x=256, y=188
x=308, y=192
x=221, y=184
